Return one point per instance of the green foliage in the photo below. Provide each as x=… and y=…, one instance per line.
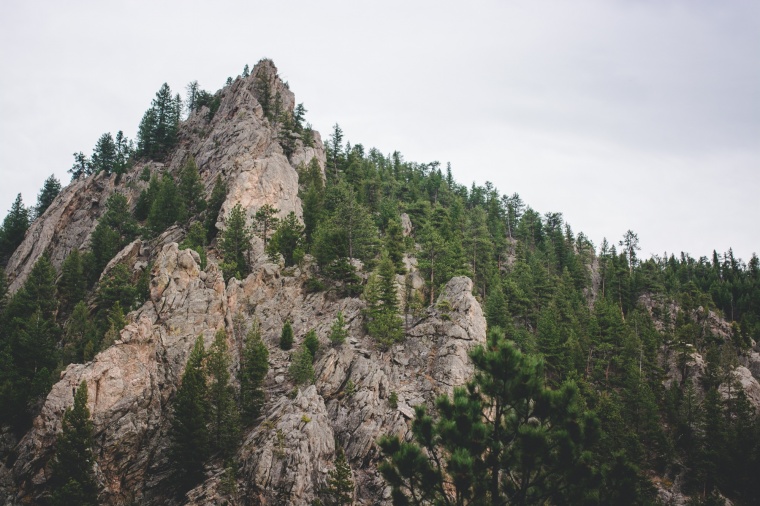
x=287, y=240
x=235, y=245
x=167, y=207
x=190, y=444
x=116, y=228
x=265, y=222
x=253, y=370
x=15, y=225
x=339, y=490
x=72, y=284
x=338, y=332
x=191, y=189
x=393, y=400
x=223, y=411
x=196, y=240
x=215, y=201
x=157, y=133
x=505, y=438
x=286, y=336
x=28, y=353
x=301, y=369
x=311, y=342
x=381, y=314
x=50, y=190
x=73, y=480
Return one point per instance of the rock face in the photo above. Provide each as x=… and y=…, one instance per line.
x=286, y=455
x=131, y=383
x=238, y=144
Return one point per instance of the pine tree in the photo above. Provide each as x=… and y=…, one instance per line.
x=338, y=331
x=253, y=370
x=190, y=439
x=265, y=221
x=224, y=414
x=301, y=369
x=340, y=486
x=81, y=167
x=286, y=336
x=168, y=206
x=191, y=189
x=50, y=190
x=103, y=155
x=73, y=479
x=214, y=205
x=72, y=284
x=235, y=245
x=504, y=439
x=15, y=225
x=311, y=342
x=288, y=240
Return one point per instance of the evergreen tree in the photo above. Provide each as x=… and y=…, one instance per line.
x=168, y=206
x=253, y=370
x=80, y=336
x=81, y=167
x=73, y=479
x=104, y=155
x=287, y=240
x=235, y=245
x=311, y=342
x=340, y=486
x=382, y=313
x=338, y=331
x=50, y=190
x=504, y=439
x=15, y=225
x=157, y=133
x=265, y=221
x=215, y=201
x=223, y=411
x=72, y=284
x=190, y=439
x=146, y=198
x=116, y=228
x=286, y=336
x=301, y=368
x=191, y=189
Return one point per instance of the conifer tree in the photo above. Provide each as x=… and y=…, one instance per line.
x=191, y=189
x=103, y=155
x=338, y=331
x=286, y=336
x=223, y=411
x=235, y=244
x=505, y=439
x=15, y=225
x=214, y=205
x=265, y=221
x=253, y=370
x=190, y=439
x=73, y=478
x=301, y=368
x=311, y=342
x=167, y=208
x=50, y=190
x=72, y=284
x=340, y=486
x=288, y=240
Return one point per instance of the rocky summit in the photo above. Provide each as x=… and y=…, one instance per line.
x=330, y=298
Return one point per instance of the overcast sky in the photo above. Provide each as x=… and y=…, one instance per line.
x=639, y=114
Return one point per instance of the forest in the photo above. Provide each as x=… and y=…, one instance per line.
x=587, y=391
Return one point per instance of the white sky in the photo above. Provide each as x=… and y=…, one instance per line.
x=638, y=114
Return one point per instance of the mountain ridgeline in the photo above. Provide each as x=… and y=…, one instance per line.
x=229, y=311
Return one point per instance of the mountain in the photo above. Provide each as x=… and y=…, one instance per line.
x=423, y=273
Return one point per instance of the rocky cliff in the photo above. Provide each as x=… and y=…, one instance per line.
x=287, y=454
